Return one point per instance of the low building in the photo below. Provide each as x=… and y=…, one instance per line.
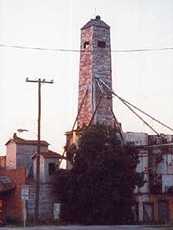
x=20, y=151
x=49, y=161
x=20, y=173
x=136, y=138
x=154, y=201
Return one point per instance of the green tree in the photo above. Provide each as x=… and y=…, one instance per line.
x=99, y=188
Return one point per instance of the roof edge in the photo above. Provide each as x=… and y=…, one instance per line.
x=97, y=22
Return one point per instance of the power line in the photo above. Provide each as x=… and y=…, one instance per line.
x=38, y=48
x=88, y=51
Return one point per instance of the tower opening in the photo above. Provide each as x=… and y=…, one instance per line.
x=101, y=44
x=86, y=45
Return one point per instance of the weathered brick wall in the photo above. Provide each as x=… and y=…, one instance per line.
x=95, y=62
x=14, y=202
x=85, y=80
x=102, y=70
x=11, y=156
x=47, y=198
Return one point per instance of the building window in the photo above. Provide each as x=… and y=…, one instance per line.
x=86, y=45
x=51, y=168
x=101, y=44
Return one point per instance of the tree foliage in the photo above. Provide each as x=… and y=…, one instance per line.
x=99, y=188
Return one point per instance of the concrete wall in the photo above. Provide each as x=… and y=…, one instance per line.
x=30, y=148
x=163, y=165
x=167, y=182
x=47, y=199
x=143, y=167
x=21, y=155
x=157, y=203
x=136, y=138
x=44, y=168
x=24, y=156
x=167, y=175
x=11, y=156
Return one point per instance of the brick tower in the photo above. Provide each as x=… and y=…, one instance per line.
x=95, y=102
x=95, y=78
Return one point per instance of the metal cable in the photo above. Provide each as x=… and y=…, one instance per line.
x=124, y=102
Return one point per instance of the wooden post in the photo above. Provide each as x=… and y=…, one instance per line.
x=39, y=81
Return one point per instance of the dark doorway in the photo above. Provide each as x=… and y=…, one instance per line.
x=51, y=168
x=163, y=210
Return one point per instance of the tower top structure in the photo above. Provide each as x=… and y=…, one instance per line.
x=96, y=22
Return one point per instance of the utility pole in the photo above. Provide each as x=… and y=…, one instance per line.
x=39, y=82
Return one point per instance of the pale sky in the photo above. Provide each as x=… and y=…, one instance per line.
x=143, y=78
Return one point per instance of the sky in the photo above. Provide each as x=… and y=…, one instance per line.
x=143, y=78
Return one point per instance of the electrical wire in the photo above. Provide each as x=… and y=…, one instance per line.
x=82, y=50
